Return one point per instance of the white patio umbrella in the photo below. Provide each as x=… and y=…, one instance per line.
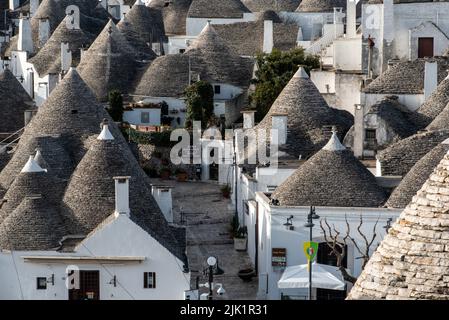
x=323, y=276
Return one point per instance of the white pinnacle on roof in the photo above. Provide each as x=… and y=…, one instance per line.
x=334, y=143
x=105, y=134
x=32, y=166
x=301, y=73
x=139, y=3
x=38, y=156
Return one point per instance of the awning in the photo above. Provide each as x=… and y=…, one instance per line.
x=323, y=276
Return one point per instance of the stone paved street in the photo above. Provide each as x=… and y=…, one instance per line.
x=208, y=216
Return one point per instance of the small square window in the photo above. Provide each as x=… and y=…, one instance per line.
x=217, y=89
x=149, y=280
x=145, y=117
x=41, y=283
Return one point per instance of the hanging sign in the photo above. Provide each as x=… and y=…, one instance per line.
x=310, y=250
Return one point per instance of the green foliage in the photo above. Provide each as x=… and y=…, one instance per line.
x=115, y=105
x=274, y=72
x=159, y=139
x=200, y=103
x=238, y=231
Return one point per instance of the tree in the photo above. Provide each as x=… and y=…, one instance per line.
x=200, y=103
x=274, y=72
x=338, y=244
x=116, y=105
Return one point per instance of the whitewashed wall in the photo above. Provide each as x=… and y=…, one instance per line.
x=194, y=26
x=135, y=116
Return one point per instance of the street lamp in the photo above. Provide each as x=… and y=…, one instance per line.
x=388, y=226
x=212, y=269
x=310, y=217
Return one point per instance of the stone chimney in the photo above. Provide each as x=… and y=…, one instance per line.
x=66, y=58
x=268, y=41
x=359, y=130
x=351, y=19
x=34, y=5
x=44, y=31
x=430, y=77
x=122, y=196
x=248, y=119
x=25, y=41
x=279, y=124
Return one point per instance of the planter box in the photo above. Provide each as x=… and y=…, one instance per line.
x=240, y=244
x=182, y=177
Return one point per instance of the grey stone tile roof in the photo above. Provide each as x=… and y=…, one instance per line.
x=332, y=177
x=217, y=9
x=276, y=5
x=70, y=113
x=398, y=158
x=34, y=225
x=308, y=117
x=396, y=115
x=434, y=105
x=90, y=196
x=406, y=77
x=320, y=5
x=246, y=38
x=175, y=15
x=142, y=48
x=411, y=261
x=441, y=121
x=416, y=177
x=48, y=59
x=210, y=59
x=110, y=63
x=147, y=22
x=14, y=101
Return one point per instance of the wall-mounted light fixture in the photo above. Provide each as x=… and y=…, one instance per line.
x=289, y=225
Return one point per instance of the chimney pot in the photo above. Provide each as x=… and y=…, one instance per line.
x=122, y=196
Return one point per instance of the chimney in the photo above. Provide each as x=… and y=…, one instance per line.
x=268, y=36
x=34, y=5
x=388, y=27
x=279, y=124
x=430, y=77
x=351, y=19
x=66, y=57
x=44, y=31
x=248, y=119
x=25, y=41
x=122, y=196
x=359, y=130
x=163, y=197
x=13, y=4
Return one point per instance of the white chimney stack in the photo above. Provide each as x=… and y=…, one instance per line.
x=34, y=5
x=268, y=42
x=44, y=31
x=351, y=18
x=430, y=78
x=248, y=119
x=13, y=4
x=122, y=196
x=66, y=57
x=25, y=41
x=279, y=124
x=163, y=197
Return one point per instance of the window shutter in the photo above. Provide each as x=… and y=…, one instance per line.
x=154, y=280
x=145, y=279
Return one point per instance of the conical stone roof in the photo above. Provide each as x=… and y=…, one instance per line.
x=174, y=15
x=14, y=101
x=48, y=59
x=332, y=177
x=34, y=225
x=217, y=9
x=441, y=121
x=416, y=177
x=90, y=195
x=412, y=260
x=275, y=5
x=320, y=5
x=70, y=115
x=109, y=64
x=142, y=47
x=308, y=116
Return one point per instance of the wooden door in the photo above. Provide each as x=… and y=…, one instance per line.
x=89, y=286
x=425, y=47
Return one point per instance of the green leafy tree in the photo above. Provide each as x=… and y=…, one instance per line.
x=115, y=105
x=274, y=72
x=200, y=103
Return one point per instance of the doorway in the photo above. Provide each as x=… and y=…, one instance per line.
x=327, y=257
x=425, y=47
x=89, y=286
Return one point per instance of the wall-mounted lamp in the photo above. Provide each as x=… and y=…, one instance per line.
x=388, y=226
x=289, y=225
x=113, y=281
x=51, y=279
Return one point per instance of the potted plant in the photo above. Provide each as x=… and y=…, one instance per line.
x=181, y=175
x=239, y=234
x=226, y=191
x=165, y=173
x=246, y=274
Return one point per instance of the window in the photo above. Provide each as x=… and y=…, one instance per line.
x=182, y=50
x=41, y=283
x=149, y=280
x=217, y=89
x=370, y=134
x=425, y=47
x=145, y=117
